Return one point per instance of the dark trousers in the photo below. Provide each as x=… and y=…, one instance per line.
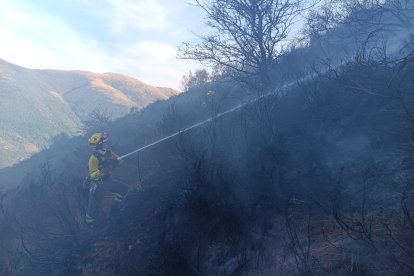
x=97, y=191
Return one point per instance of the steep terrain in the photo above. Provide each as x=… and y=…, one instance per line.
x=37, y=105
x=314, y=179
x=309, y=183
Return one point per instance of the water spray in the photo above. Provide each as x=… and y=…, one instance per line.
x=221, y=114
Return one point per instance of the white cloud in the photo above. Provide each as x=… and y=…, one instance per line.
x=154, y=63
x=155, y=51
x=41, y=41
x=34, y=39
x=22, y=52
x=142, y=15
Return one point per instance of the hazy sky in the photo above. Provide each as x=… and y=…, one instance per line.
x=138, y=38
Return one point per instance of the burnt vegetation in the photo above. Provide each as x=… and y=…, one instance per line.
x=313, y=179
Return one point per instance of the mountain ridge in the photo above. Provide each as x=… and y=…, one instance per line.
x=39, y=104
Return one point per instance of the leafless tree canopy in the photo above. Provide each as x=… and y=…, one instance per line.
x=367, y=14
x=249, y=36
x=199, y=77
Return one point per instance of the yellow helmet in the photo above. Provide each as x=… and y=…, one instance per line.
x=98, y=139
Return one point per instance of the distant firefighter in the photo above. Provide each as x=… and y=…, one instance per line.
x=209, y=94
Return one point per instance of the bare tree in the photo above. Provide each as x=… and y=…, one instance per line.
x=299, y=234
x=250, y=35
x=192, y=80
x=97, y=120
x=363, y=15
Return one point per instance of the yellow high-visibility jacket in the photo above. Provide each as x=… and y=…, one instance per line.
x=101, y=165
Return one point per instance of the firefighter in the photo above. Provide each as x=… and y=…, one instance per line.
x=100, y=165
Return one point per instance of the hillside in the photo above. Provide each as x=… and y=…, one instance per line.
x=310, y=188
x=37, y=105
x=314, y=177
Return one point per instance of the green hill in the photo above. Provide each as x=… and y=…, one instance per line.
x=37, y=105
